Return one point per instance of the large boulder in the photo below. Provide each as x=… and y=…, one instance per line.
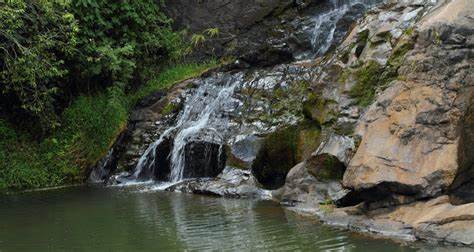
x=415, y=137
x=306, y=192
x=234, y=20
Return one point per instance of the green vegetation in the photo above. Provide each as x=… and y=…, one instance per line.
x=53, y=51
x=327, y=206
x=200, y=38
x=368, y=79
x=89, y=128
x=70, y=71
x=286, y=102
x=372, y=75
x=326, y=167
x=90, y=125
x=170, y=76
x=318, y=109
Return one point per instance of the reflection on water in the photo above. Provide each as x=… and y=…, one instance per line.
x=120, y=219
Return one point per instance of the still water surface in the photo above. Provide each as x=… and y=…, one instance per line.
x=118, y=219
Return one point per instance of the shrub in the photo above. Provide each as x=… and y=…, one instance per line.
x=36, y=37
x=52, y=51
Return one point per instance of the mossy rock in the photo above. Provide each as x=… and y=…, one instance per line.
x=170, y=108
x=403, y=47
x=281, y=151
x=368, y=79
x=362, y=40
x=326, y=167
x=317, y=109
x=308, y=140
x=372, y=75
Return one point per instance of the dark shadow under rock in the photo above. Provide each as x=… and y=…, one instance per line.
x=463, y=194
x=462, y=189
x=203, y=160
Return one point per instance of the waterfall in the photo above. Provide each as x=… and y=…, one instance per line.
x=192, y=126
x=205, y=115
x=328, y=25
x=202, y=118
x=325, y=26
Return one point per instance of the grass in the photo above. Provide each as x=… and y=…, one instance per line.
x=169, y=76
x=89, y=128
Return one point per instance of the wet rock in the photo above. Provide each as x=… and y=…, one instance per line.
x=102, y=169
x=268, y=56
x=354, y=13
x=203, y=159
x=232, y=182
x=319, y=109
x=340, y=147
x=435, y=220
x=300, y=190
x=326, y=167
x=107, y=165
x=416, y=138
x=237, y=23
x=276, y=157
x=156, y=166
x=244, y=151
x=353, y=220
x=119, y=178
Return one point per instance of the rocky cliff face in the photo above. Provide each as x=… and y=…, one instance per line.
x=413, y=151
x=374, y=133
x=265, y=33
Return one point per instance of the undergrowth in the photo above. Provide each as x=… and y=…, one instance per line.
x=89, y=128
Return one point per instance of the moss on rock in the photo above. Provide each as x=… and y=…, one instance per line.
x=281, y=151
x=367, y=81
x=372, y=75
x=326, y=167
x=169, y=108
x=316, y=108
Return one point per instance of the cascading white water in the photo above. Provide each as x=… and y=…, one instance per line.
x=325, y=27
x=325, y=24
x=192, y=126
x=205, y=113
x=202, y=118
